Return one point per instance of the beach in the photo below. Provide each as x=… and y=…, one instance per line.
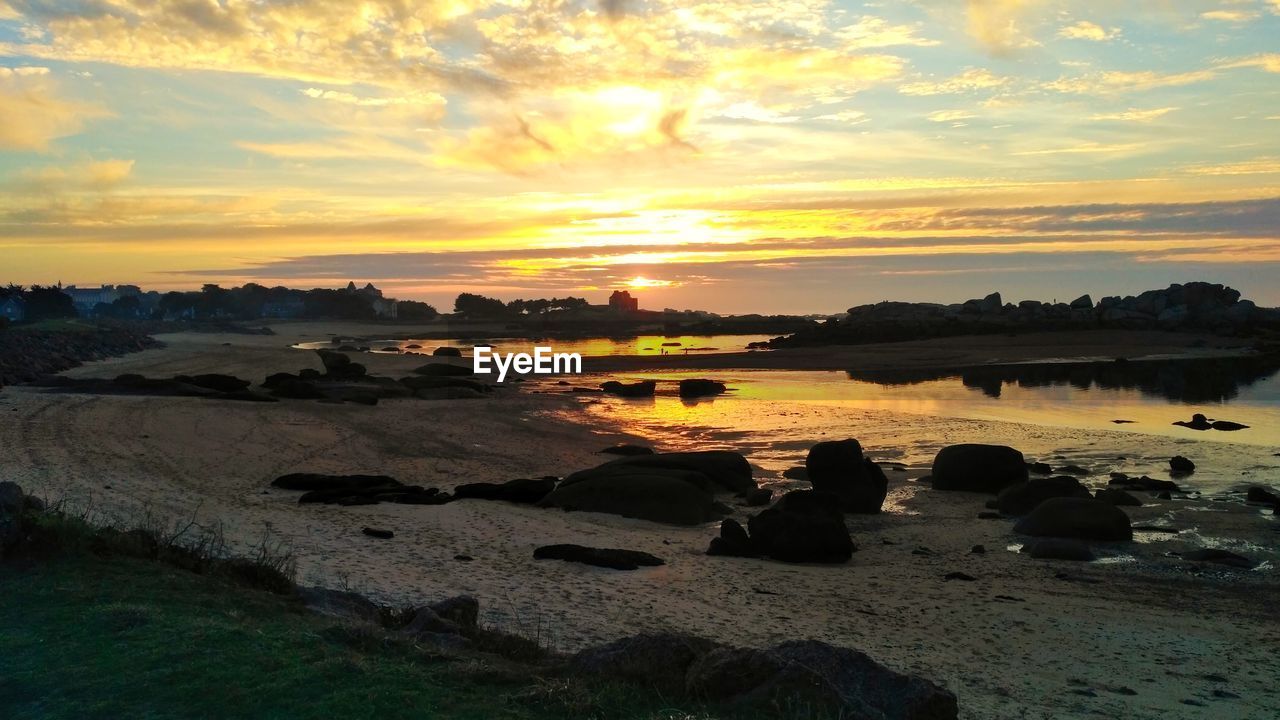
x=1140, y=634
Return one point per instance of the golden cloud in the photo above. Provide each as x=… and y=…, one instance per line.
x=34, y=113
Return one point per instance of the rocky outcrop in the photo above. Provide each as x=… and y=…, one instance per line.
x=612, y=558
x=1194, y=306
x=700, y=387
x=1079, y=518
x=357, y=490
x=839, y=468
x=522, y=492
x=27, y=354
x=978, y=468
x=1024, y=497
x=804, y=526
x=825, y=680
x=642, y=388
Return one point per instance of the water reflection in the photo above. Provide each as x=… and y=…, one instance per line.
x=1196, y=381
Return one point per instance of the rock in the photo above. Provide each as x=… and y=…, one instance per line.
x=803, y=526
x=427, y=622
x=1220, y=557
x=378, y=533
x=759, y=497
x=1143, y=483
x=643, y=388
x=1228, y=426
x=628, y=450
x=840, y=469
x=338, y=366
x=699, y=387
x=437, y=382
x=1198, y=422
x=1262, y=495
x=1040, y=468
x=966, y=577
x=444, y=351
x=1179, y=466
x=726, y=469
x=677, y=497
x=1074, y=470
x=825, y=680
x=978, y=550
x=654, y=661
x=526, y=492
x=1119, y=498
x=215, y=381
x=1081, y=518
x=599, y=557
x=436, y=369
x=796, y=473
x=461, y=610
x=1022, y=498
x=341, y=604
x=315, y=481
x=733, y=541
x=990, y=304
x=13, y=505
x=978, y=468
x=1083, y=302
x=1058, y=549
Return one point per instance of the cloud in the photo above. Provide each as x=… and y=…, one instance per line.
x=1134, y=114
x=874, y=32
x=34, y=113
x=1269, y=62
x=941, y=116
x=998, y=25
x=94, y=175
x=1120, y=81
x=968, y=81
x=1230, y=16
x=1085, y=30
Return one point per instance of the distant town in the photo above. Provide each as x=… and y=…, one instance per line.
x=251, y=302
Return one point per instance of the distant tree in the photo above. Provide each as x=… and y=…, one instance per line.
x=48, y=303
x=126, y=308
x=479, y=306
x=414, y=310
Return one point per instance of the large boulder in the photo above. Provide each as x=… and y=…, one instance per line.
x=733, y=541
x=643, y=388
x=700, y=387
x=838, y=467
x=727, y=469
x=978, y=468
x=522, y=491
x=1022, y=498
x=651, y=660
x=339, y=367
x=826, y=680
x=446, y=351
x=1080, y=518
x=804, y=526
x=613, y=558
x=677, y=497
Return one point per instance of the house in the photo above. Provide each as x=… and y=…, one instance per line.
x=13, y=309
x=622, y=302
x=87, y=299
x=384, y=308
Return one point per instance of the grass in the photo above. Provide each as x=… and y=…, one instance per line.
x=106, y=624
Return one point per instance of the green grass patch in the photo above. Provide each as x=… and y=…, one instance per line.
x=89, y=628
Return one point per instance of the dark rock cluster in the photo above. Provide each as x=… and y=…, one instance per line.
x=1194, y=306
x=27, y=354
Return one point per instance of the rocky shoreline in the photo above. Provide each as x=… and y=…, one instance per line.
x=1194, y=306
x=28, y=354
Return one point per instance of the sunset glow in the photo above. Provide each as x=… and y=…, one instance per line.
x=731, y=155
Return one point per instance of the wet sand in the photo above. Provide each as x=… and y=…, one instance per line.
x=1139, y=635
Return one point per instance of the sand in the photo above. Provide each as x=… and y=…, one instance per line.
x=1139, y=636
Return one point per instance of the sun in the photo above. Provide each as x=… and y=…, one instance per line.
x=644, y=282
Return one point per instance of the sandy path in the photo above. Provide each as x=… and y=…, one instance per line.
x=1138, y=638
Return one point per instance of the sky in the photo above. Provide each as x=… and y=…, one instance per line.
x=797, y=156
